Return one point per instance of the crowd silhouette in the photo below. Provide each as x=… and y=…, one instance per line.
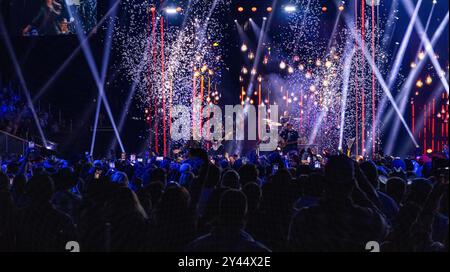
x=204, y=204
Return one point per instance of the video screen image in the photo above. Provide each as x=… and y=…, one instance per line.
x=52, y=17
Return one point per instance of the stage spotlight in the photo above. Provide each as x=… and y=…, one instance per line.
x=324, y=9
x=282, y=65
x=290, y=70
x=429, y=151
x=341, y=7
x=419, y=83
x=179, y=9
x=264, y=18
x=251, y=55
x=152, y=9
x=421, y=55
x=428, y=80
x=301, y=67
x=244, y=47
x=413, y=65
x=328, y=64
x=290, y=8
x=269, y=9
x=240, y=9
x=253, y=72
x=254, y=9
x=171, y=10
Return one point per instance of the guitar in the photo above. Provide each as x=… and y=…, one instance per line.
x=282, y=143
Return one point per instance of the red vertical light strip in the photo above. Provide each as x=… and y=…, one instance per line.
x=194, y=93
x=373, y=82
x=363, y=63
x=432, y=125
x=202, y=90
x=257, y=108
x=425, y=129
x=163, y=87
x=209, y=110
x=412, y=118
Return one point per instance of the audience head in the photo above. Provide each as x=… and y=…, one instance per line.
x=230, y=179
x=248, y=173
x=396, y=188
x=418, y=191
x=119, y=178
x=370, y=170
x=40, y=188
x=232, y=209
x=339, y=176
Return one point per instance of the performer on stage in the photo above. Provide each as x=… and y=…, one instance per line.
x=289, y=138
x=47, y=20
x=284, y=119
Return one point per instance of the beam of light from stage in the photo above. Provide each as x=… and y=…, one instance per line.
x=346, y=77
x=318, y=123
x=257, y=57
x=390, y=25
x=399, y=58
x=106, y=54
x=383, y=102
x=61, y=68
x=380, y=79
x=94, y=128
x=412, y=76
x=428, y=46
x=12, y=54
x=242, y=36
x=333, y=33
x=435, y=95
x=407, y=86
x=401, y=52
x=93, y=67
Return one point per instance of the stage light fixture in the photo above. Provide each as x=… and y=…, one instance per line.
x=282, y=65
x=421, y=55
x=429, y=80
x=324, y=9
x=171, y=10
x=244, y=47
x=290, y=70
x=419, y=83
x=341, y=7
x=240, y=9
x=269, y=9
x=290, y=8
x=254, y=9
x=264, y=18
